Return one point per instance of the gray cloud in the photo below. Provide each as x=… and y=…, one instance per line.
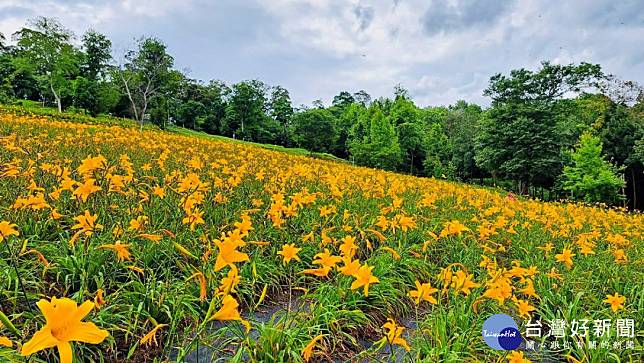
x=364, y=14
x=444, y=16
x=442, y=51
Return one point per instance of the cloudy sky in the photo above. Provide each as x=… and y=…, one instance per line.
x=441, y=51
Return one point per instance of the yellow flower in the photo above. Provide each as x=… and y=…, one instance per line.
x=228, y=283
x=553, y=274
x=393, y=252
x=453, y=228
x=228, y=312
x=546, y=248
x=152, y=237
x=393, y=334
x=84, y=190
x=348, y=247
x=620, y=256
x=289, y=252
x=90, y=164
x=524, y=307
x=616, y=301
x=307, y=352
x=517, y=357
x=349, y=268
x=244, y=226
x=566, y=257
x=193, y=217
x=202, y=284
x=364, y=278
x=462, y=282
x=5, y=342
x=325, y=259
x=151, y=336
x=423, y=292
x=64, y=325
x=228, y=254
x=138, y=224
x=158, y=191
x=86, y=223
x=319, y=272
x=121, y=250
x=7, y=229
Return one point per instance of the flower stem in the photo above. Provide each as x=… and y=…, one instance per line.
x=15, y=267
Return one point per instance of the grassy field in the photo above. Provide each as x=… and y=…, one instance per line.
x=180, y=244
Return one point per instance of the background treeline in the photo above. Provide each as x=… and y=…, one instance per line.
x=560, y=131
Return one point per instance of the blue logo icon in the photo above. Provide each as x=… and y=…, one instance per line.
x=500, y=332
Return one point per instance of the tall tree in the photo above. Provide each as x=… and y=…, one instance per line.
x=342, y=100
x=281, y=111
x=45, y=44
x=379, y=147
x=519, y=139
x=591, y=178
x=438, y=152
x=97, y=49
x=246, y=112
x=145, y=73
x=362, y=97
x=461, y=127
x=314, y=130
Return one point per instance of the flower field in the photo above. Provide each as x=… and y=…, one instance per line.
x=126, y=245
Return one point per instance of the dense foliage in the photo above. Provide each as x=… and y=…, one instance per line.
x=521, y=141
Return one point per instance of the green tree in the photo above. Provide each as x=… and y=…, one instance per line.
x=413, y=146
x=345, y=121
x=281, y=111
x=404, y=115
x=379, y=147
x=214, y=98
x=362, y=97
x=45, y=46
x=438, y=152
x=246, y=116
x=639, y=150
x=461, y=127
x=342, y=100
x=85, y=95
x=591, y=178
x=519, y=140
x=314, y=130
x=619, y=129
x=145, y=73
x=97, y=49
x=191, y=113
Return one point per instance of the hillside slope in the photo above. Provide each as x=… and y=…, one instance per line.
x=190, y=239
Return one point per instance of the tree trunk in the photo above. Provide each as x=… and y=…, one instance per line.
x=56, y=97
x=411, y=165
x=634, y=189
x=523, y=187
x=129, y=96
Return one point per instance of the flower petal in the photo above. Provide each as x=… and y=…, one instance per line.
x=83, y=310
x=41, y=340
x=65, y=352
x=87, y=333
x=46, y=308
x=5, y=342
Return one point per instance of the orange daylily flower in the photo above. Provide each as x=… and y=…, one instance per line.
x=64, y=325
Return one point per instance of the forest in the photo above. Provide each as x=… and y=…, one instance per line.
x=562, y=131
